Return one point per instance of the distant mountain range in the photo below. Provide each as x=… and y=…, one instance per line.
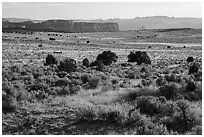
x=157, y=22
x=151, y=22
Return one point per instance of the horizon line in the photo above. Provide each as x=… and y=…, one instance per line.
x=103, y=18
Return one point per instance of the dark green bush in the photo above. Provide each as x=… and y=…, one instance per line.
x=68, y=65
x=139, y=57
x=190, y=59
x=107, y=57
x=50, y=59
x=86, y=62
x=99, y=65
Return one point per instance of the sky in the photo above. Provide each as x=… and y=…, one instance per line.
x=99, y=10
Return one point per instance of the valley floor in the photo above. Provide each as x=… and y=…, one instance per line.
x=122, y=98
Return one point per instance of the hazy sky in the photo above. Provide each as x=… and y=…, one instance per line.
x=98, y=10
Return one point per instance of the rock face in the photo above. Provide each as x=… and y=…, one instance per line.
x=60, y=26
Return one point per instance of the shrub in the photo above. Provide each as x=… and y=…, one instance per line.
x=191, y=85
x=62, y=82
x=39, y=86
x=61, y=74
x=112, y=116
x=167, y=108
x=169, y=91
x=144, y=70
x=99, y=65
x=50, y=59
x=63, y=91
x=125, y=64
x=9, y=102
x=131, y=75
x=161, y=81
x=86, y=62
x=185, y=118
x=144, y=82
x=85, y=78
x=190, y=59
x=38, y=73
x=51, y=39
x=68, y=65
x=74, y=86
x=198, y=76
x=139, y=57
x=166, y=70
x=171, y=78
x=142, y=125
x=15, y=76
x=107, y=57
x=93, y=82
x=148, y=105
x=193, y=68
x=14, y=68
x=114, y=81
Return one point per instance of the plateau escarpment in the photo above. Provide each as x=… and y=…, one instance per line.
x=68, y=26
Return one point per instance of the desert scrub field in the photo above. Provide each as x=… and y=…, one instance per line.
x=102, y=83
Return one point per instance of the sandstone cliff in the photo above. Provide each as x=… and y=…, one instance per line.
x=60, y=26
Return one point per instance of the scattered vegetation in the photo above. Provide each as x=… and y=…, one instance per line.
x=109, y=96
